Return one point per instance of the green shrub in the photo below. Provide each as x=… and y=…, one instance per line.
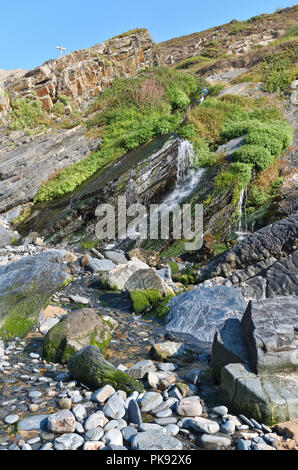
x=178, y=98
x=237, y=176
x=58, y=109
x=259, y=156
x=271, y=143
x=215, y=90
x=26, y=114
x=279, y=70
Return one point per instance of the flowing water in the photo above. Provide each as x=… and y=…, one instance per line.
x=242, y=231
x=187, y=181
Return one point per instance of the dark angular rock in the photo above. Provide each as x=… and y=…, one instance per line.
x=270, y=328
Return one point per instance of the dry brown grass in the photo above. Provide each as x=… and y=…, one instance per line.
x=266, y=177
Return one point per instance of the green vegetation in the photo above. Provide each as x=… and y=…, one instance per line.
x=219, y=248
x=129, y=33
x=131, y=112
x=27, y=115
x=259, y=156
x=161, y=311
x=144, y=300
x=213, y=50
x=276, y=71
x=16, y=325
x=174, y=267
x=89, y=244
x=237, y=176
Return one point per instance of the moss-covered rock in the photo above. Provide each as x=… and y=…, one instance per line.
x=144, y=300
x=78, y=329
x=26, y=288
x=150, y=301
x=89, y=367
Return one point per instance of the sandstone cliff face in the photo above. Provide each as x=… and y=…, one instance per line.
x=82, y=74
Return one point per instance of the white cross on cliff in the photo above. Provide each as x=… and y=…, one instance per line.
x=61, y=49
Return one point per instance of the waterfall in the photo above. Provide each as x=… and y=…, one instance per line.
x=187, y=180
x=185, y=160
x=242, y=228
x=240, y=204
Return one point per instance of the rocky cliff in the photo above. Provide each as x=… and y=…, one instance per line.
x=229, y=39
x=80, y=75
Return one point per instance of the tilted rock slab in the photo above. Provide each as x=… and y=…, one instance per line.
x=26, y=287
x=275, y=240
x=280, y=279
x=34, y=159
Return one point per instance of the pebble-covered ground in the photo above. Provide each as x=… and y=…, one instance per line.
x=43, y=408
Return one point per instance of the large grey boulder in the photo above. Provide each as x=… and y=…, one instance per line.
x=270, y=328
x=89, y=367
x=266, y=398
x=100, y=265
x=26, y=287
x=197, y=314
x=147, y=279
x=76, y=330
x=116, y=257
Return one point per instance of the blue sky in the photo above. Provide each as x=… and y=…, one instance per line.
x=31, y=30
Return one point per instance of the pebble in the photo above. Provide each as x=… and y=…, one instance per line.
x=134, y=413
x=114, y=408
x=150, y=401
x=94, y=434
x=212, y=442
x=94, y=420
x=155, y=440
x=243, y=444
x=228, y=427
x=220, y=410
x=190, y=406
x=69, y=441
x=103, y=393
x=11, y=419
x=62, y=422
x=80, y=412
x=93, y=445
x=128, y=432
x=65, y=403
x=172, y=429
x=167, y=366
x=114, y=436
